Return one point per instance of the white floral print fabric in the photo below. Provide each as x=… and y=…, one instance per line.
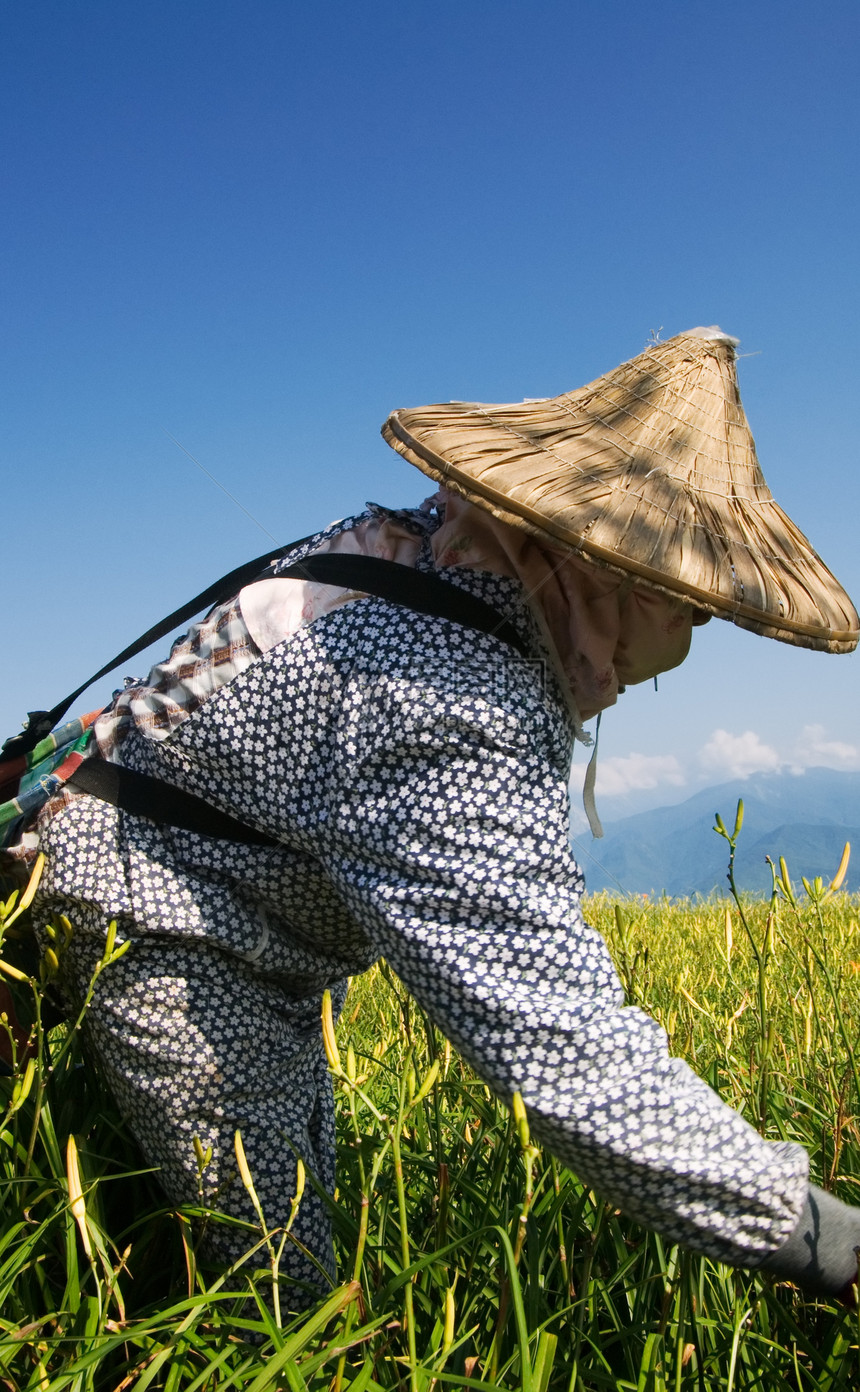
x=414, y=773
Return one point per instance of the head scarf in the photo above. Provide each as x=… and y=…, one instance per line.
x=606, y=632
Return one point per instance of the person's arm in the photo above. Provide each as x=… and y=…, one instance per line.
x=449, y=841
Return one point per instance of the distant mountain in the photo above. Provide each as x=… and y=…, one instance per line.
x=805, y=817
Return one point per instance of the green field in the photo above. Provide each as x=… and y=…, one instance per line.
x=468, y=1258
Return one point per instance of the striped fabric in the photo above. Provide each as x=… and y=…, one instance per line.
x=34, y=779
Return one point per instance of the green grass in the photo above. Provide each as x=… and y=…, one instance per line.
x=467, y=1257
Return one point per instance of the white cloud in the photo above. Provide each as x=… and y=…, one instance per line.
x=738, y=756
x=635, y=772
x=643, y=780
x=814, y=750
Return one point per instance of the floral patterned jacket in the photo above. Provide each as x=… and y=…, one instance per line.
x=415, y=774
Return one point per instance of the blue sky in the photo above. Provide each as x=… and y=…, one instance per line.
x=259, y=227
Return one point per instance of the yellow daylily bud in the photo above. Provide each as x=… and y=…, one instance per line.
x=519, y=1110
x=30, y=892
x=76, y=1196
x=21, y=1090
x=836, y=882
x=300, y=1180
x=784, y=881
x=427, y=1083
x=329, y=1041
x=242, y=1162
x=448, y=1331
x=9, y=970
x=33, y=883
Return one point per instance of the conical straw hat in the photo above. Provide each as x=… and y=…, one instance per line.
x=650, y=470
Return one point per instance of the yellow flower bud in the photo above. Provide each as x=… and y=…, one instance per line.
x=329, y=1041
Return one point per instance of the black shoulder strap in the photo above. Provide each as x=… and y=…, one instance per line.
x=161, y=802
x=168, y=805
x=41, y=723
x=423, y=591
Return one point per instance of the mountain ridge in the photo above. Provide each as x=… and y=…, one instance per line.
x=805, y=817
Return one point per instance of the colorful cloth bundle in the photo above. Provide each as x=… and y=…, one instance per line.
x=31, y=780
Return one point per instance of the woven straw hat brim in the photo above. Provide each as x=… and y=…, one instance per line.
x=650, y=470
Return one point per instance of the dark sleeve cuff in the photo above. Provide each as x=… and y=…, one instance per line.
x=821, y=1254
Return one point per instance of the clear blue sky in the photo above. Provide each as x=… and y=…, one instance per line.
x=260, y=226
